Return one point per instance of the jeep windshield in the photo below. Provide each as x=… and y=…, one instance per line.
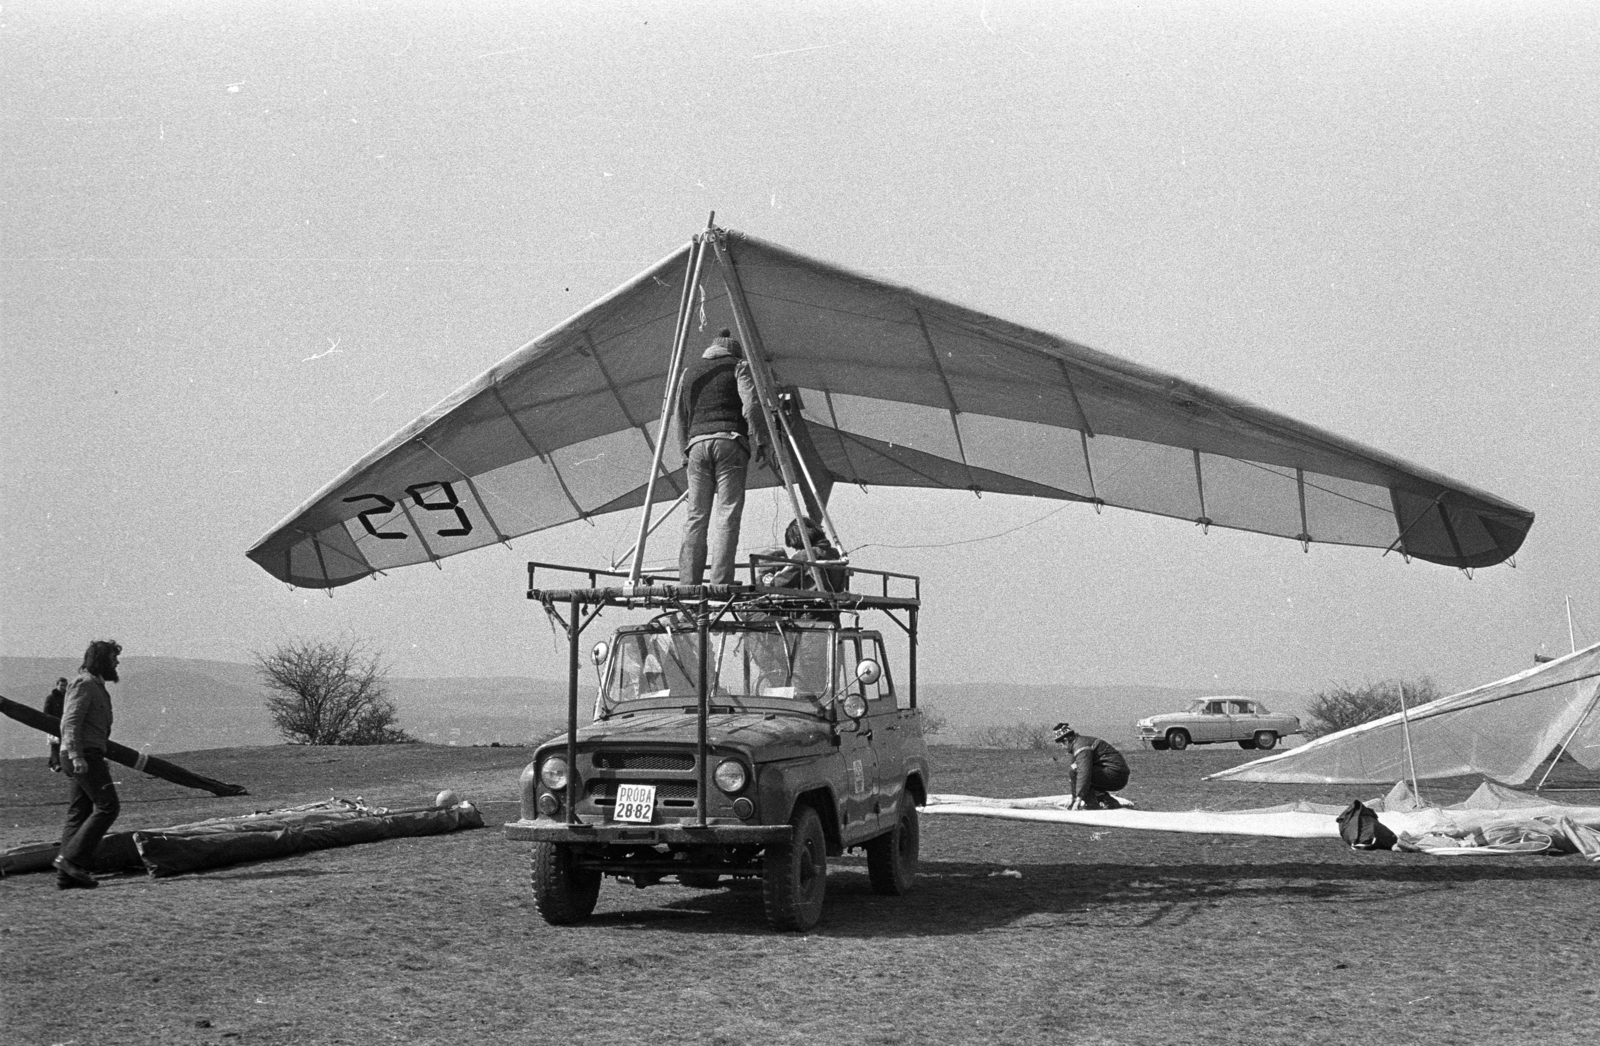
x=771, y=669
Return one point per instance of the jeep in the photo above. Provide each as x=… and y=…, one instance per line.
x=742, y=732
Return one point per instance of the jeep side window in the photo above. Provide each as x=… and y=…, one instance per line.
x=851, y=650
x=883, y=689
x=844, y=674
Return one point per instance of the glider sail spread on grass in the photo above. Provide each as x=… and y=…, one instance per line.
x=879, y=386
x=1507, y=730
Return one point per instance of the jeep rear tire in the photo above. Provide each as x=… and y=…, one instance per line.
x=1266, y=740
x=892, y=856
x=794, y=875
x=1178, y=740
x=562, y=892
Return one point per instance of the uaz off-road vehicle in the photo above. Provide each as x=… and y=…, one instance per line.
x=741, y=732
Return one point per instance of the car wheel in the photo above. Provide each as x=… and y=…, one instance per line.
x=1160, y=746
x=892, y=856
x=562, y=892
x=1265, y=739
x=1178, y=740
x=1247, y=744
x=794, y=875
x=699, y=880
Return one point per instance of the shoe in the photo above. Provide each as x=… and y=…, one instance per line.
x=73, y=872
x=65, y=883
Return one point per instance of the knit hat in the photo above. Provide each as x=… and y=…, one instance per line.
x=726, y=340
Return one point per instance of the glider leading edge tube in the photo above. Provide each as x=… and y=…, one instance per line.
x=140, y=761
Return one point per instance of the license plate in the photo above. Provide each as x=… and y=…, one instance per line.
x=636, y=803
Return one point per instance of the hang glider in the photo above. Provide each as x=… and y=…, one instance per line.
x=877, y=385
x=1506, y=730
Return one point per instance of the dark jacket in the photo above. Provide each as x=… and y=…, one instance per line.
x=86, y=720
x=1096, y=766
x=835, y=578
x=718, y=394
x=53, y=704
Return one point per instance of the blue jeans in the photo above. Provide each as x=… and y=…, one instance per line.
x=715, y=470
x=92, y=808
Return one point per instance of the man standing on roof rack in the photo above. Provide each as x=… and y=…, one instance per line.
x=719, y=422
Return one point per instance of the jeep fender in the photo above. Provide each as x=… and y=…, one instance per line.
x=918, y=790
x=827, y=807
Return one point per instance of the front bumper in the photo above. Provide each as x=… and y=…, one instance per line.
x=648, y=835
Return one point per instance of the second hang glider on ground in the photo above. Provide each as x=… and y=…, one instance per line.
x=880, y=386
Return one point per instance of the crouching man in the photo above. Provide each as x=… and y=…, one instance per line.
x=1098, y=769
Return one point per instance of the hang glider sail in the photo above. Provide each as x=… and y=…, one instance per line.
x=877, y=385
x=1507, y=730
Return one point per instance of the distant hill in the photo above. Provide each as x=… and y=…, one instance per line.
x=173, y=705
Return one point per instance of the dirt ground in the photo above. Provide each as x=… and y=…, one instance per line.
x=1016, y=933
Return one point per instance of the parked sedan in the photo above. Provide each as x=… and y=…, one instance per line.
x=1214, y=720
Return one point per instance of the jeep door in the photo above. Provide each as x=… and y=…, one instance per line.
x=863, y=748
x=891, y=728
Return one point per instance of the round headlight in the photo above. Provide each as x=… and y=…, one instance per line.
x=554, y=773
x=855, y=706
x=730, y=776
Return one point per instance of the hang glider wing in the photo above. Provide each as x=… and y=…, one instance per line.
x=895, y=388
x=1506, y=730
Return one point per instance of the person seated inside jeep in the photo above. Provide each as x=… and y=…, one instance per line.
x=1097, y=770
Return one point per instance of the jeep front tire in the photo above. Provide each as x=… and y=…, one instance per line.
x=794, y=874
x=892, y=856
x=562, y=892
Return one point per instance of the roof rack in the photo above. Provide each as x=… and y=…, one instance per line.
x=662, y=590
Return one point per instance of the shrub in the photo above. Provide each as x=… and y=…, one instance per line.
x=933, y=720
x=1014, y=735
x=328, y=694
x=1340, y=707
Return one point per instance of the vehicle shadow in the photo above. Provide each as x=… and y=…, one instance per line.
x=953, y=897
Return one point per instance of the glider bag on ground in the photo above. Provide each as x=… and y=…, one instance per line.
x=892, y=388
x=140, y=761
x=224, y=841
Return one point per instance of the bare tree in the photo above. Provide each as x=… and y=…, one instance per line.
x=1342, y=706
x=325, y=693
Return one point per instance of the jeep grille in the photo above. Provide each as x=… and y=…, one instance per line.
x=643, y=761
x=668, y=793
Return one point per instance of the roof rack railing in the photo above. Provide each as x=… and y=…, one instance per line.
x=662, y=589
x=768, y=559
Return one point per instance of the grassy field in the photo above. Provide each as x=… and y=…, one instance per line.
x=1017, y=933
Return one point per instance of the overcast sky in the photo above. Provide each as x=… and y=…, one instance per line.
x=245, y=243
